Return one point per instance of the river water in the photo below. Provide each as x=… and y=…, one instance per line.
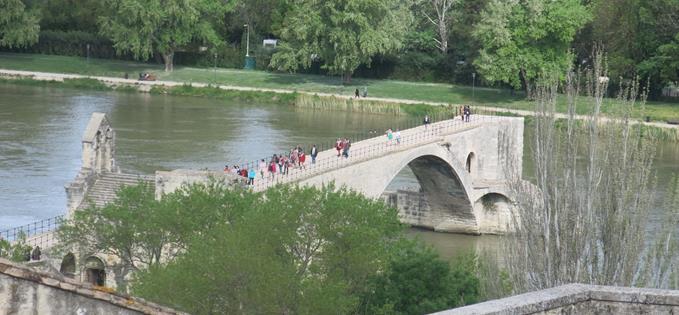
x=41, y=129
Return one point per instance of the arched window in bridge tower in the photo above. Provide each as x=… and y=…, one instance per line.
x=68, y=266
x=471, y=162
x=95, y=271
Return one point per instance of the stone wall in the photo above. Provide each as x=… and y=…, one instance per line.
x=413, y=208
x=579, y=299
x=26, y=291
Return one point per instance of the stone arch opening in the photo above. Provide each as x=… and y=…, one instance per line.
x=68, y=265
x=439, y=200
x=471, y=162
x=494, y=212
x=95, y=271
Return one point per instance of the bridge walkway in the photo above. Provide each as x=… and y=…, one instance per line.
x=372, y=148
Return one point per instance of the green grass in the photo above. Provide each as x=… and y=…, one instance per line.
x=418, y=92
x=231, y=95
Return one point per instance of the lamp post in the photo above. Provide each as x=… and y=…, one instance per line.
x=215, y=79
x=473, y=85
x=247, y=40
x=88, y=53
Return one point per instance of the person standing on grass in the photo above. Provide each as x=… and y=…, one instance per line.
x=314, y=154
x=251, y=176
x=398, y=136
x=426, y=121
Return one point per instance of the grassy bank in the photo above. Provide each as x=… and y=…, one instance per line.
x=417, y=92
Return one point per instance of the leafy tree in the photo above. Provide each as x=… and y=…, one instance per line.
x=71, y=15
x=638, y=37
x=17, y=251
x=524, y=39
x=18, y=26
x=141, y=231
x=145, y=27
x=417, y=281
x=441, y=21
x=292, y=251
x=342, y=34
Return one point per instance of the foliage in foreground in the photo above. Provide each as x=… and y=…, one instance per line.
x=209, y=249
x=17, y=251
x=417, y=281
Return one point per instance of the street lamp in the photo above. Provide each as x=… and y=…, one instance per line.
x=215, y=68
x=88, y=53
x=473, y=85
x=247, y=40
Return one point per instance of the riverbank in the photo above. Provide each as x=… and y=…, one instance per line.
x=304, y=99
x=379, y=90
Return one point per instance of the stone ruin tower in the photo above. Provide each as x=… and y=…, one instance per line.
x=98, y=145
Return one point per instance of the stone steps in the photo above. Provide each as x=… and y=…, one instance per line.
x=107, y=185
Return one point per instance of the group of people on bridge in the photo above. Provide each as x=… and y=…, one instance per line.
x=278, y=164
x=281, y=164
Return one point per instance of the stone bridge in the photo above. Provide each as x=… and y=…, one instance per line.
x=461, y=168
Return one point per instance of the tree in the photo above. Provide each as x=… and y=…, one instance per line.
x=342, y=34
x=18, y=26
x=524, y=39
x=288, y=250
x=417, y=281
x=16, y=251
x=145, y=27
x=585, y=219
x=441, y=21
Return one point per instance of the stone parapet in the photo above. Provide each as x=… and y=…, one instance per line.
x=24, y=290
x=579, y=299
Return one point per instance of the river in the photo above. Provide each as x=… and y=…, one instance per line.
x=41, y=129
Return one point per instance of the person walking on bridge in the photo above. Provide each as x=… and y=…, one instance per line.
x=262, y=168
x=426, y=121
x=301, y=158
x=347, y=145
x=338, y=146
x=397, y=135
x=314, y=154
x=467, y=113
x=251, y=176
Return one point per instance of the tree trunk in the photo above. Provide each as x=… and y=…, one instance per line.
x=169, y=61
x=443, y=33
x=528, y=85
x=346, y=77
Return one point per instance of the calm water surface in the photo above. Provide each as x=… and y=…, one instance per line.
x=41, y=129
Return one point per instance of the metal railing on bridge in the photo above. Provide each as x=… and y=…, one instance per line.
x=39, y=233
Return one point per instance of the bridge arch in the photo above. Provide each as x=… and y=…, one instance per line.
x=494, y=210
x=446, y=191
x=67, y=267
